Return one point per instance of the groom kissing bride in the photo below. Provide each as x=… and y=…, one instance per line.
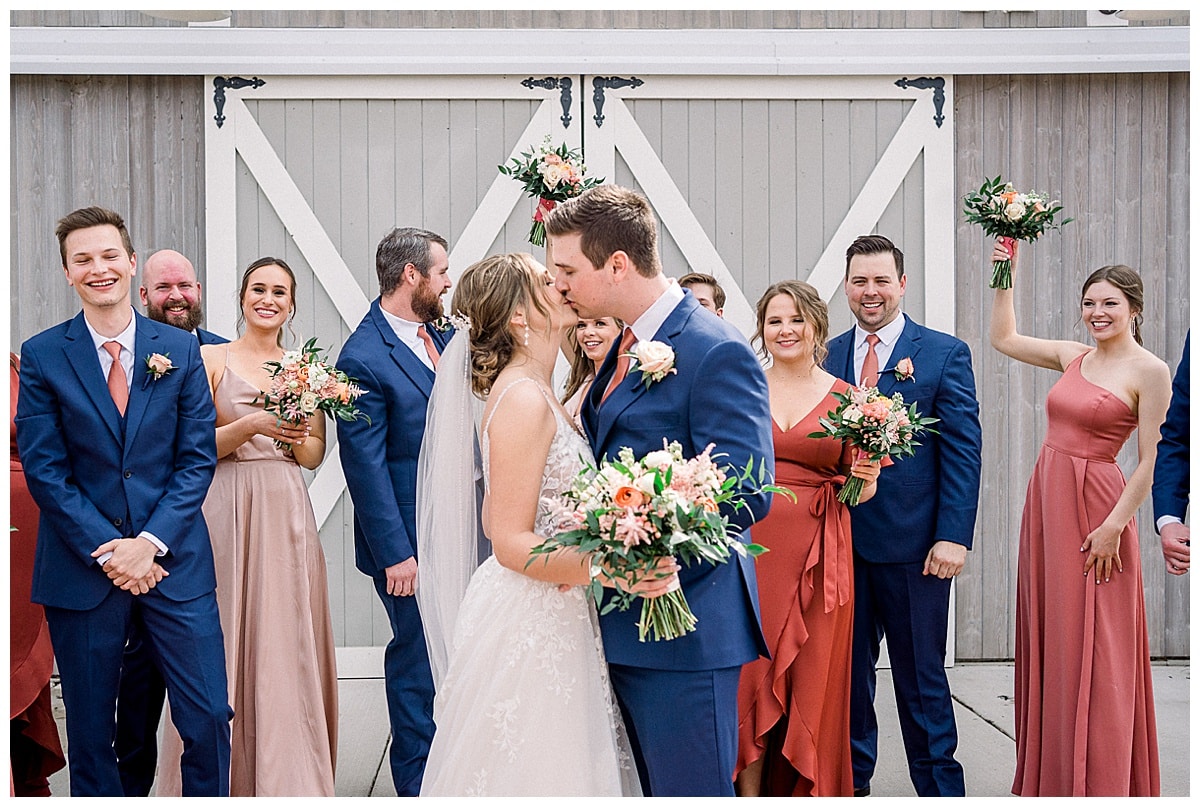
x=679, y=698
x=524, y=706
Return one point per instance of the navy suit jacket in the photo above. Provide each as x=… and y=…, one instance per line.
x=379, y=458
x=934, y=494
x=209, y=338
x=97, y=476
x=1170, y=490
x=718, y=395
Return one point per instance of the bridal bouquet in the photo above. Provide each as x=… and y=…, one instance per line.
x=629, y=513
x=550, y=175
x=303, y=382
x=1011, y=216
x=876, y=425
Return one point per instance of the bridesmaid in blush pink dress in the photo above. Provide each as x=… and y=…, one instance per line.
x=587, y=345
x=794, y=708
x=272, y=589
x=1084, y=704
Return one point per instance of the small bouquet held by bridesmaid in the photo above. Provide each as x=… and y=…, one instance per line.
x=550, y=175
x=303, y=382
x=1011, y=216
x=630, y=512
x=876, y=425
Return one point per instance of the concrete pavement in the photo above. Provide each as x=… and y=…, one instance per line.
x=983, y=708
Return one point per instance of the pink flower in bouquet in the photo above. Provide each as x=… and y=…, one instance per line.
x=633, y=530
x=877, y=410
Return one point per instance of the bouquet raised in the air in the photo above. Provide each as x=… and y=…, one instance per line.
x=630, y=512
x=550, y=175
x=876, y=425
x=303, y=382
x=1011, y=216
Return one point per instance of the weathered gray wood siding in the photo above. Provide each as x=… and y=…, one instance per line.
x=1113, y=147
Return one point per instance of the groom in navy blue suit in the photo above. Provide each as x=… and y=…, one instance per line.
x=1172, y=464
x=679, y=697
x=393, y=353
x=912, y=538
x=119, y=452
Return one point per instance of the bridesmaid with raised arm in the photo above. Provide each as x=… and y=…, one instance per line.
x=794, y=708
x=271, y=580
x=588, y=344
x=1084, y=703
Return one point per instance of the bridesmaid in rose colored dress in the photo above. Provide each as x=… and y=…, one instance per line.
x=794, y=708
x=1084, y=704
x=35, y=750
x=272, y=589
x=587, y=345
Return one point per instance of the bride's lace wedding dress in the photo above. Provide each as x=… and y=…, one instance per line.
x=526, y=708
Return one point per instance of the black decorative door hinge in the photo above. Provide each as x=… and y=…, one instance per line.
x=600, y=83
x=563, y=84
x=220, y=84
x=939, y=93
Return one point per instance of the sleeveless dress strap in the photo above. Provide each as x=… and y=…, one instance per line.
x=541, y=388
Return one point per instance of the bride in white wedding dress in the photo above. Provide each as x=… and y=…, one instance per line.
x=523, y=704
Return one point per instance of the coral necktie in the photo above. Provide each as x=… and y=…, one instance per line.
x=429, y=347
x=118, y=385
x=627, y=340
x=870, y=368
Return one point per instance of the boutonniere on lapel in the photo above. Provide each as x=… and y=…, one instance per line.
x=655, y=361
x=442, y=324
x=158, y=365
x=904, y=369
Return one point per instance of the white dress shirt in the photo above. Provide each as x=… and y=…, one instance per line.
x=888, y=335
x=646, y=326
x=126, y=338
x=406, y=332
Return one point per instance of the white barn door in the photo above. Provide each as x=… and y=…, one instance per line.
x=754, y=180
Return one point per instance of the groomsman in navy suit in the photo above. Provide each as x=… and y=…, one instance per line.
x=171, y=294
x=115, y=423
x=1171, y=470
x=393, y=353
x=679, y=697
x=912, y=538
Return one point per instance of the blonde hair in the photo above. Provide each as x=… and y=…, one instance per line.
x=582, y=367
x=810, y=305
x=489, y=293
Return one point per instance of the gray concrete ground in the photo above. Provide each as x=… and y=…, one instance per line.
x=983, y=708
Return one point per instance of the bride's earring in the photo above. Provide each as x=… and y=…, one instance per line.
x=526, y=334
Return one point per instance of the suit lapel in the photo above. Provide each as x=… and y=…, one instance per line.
x=141, y=386
x=414, y=368
x=906, y=347
x=841, y=357
x=82, y=357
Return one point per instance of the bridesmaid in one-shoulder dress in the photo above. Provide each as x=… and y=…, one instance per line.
x=1084, y=704
x=271, y=580
x=794, y=708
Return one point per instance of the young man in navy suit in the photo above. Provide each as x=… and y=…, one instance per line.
x=679, y=697
x=115, y=423
x=912, y=538
x=1171, y=472
x=393, y=353
x=171, y=294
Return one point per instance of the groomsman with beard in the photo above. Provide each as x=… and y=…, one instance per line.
x=393, y=353
x=912, y=538
x=679, y=697
x=171, y=294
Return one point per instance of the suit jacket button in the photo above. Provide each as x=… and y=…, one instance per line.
x=116, y=522
x=128, y=474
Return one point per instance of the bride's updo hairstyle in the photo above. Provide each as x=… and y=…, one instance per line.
x=1129, y=283
x=489, y=294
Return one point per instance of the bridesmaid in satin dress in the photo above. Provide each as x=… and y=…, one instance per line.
x=1084, y=703
x=272, y=589
x=794, y=708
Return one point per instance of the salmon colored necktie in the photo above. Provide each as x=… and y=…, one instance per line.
x=118, y=385
x=627, y=340
x=429, y=348
x=870, y=368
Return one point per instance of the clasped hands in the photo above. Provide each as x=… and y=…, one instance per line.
x=132, y=566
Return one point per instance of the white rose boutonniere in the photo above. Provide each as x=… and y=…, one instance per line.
x=904, y=369
x=158, y=365
x=655, y=360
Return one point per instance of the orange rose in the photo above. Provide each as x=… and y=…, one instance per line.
x=629, y=497
x=343, y=392
x=708, y=504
